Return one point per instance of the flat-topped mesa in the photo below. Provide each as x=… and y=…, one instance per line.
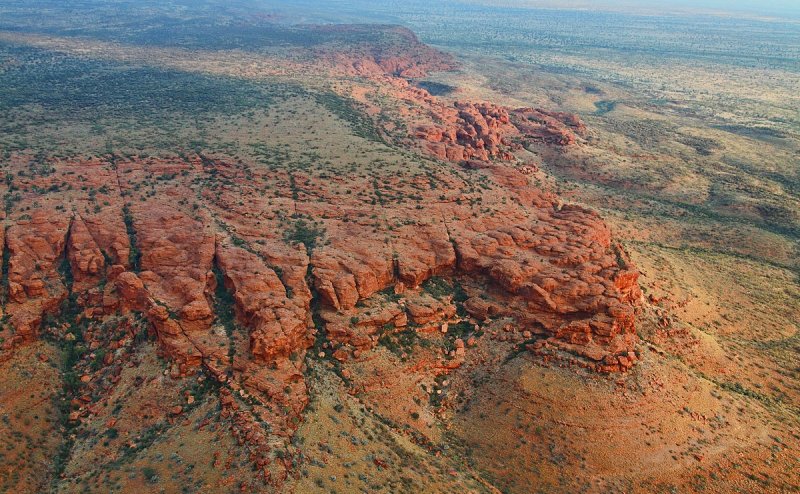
x=485, y=131
x=312, y=262
x=553, y=269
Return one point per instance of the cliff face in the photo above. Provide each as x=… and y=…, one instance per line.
x=484, y=131
x=550, y=265
x=178, y=253
x=238, y=270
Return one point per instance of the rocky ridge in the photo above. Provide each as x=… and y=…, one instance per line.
x=192, y=249
x=552, y=269
x=484, y=131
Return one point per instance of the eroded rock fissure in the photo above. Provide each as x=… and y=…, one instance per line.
x=134, y=255
x=69, y=345
x=453, y=243
x=6, y=260
x=224, y=309
x=245, y=244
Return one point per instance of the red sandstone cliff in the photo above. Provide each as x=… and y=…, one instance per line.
x=171, y=241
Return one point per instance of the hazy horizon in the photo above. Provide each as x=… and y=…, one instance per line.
x=393, y=10
x=772, y=8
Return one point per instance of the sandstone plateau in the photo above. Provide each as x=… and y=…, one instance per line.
x=551, y=269
x=195, y=250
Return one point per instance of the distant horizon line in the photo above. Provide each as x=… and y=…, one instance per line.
x=635, y=8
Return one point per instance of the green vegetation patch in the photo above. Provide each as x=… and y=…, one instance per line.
x=348, y=110
x=306, y=233
x=106, y=105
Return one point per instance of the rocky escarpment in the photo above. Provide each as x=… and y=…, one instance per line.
x=554, y=270
x=172, y=239
x=241, y=271
x=482, y=131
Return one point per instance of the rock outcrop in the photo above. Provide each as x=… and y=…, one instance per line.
x=237, y=270
x=552, y=268
x=482, y=131
x=278, y=324
x=35, y=245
